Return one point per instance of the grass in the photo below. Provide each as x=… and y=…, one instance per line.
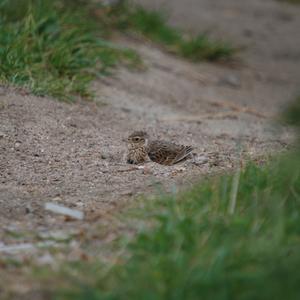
x=58, y=47
x=236, y=236
x=154, y=25
x=292, y=113
x=55, y=47
x=203, y=48
x=199, y=250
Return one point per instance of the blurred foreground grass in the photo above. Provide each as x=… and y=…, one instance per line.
x=231, y=237
x=56, y=47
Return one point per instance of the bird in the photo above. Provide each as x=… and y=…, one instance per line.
x=141, y=148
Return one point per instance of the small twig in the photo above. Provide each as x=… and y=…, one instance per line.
x=60, y=209
x=129, y=170
x=26, y=246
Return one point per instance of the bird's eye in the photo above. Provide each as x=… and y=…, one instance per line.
x=136, y=139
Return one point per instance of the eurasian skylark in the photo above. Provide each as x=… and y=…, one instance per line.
x=140, y=148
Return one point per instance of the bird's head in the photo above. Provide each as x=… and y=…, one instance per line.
x=137, y=139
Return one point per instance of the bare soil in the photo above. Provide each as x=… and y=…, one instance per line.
x=73, y=154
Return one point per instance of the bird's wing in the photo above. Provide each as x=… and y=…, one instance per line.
x=167, y=153
x=183, y=154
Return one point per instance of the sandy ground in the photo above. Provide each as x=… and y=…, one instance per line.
x=74, y=154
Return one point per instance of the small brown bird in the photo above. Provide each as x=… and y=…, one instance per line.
x=140, y=148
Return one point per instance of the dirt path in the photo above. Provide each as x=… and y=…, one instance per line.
x=74, y=154
x=268, y=33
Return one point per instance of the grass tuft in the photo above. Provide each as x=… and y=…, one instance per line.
x=202, y=48
x=58, y=47
x=292, y=114
x=154, y=25
x=54, y=48
x=198, y=250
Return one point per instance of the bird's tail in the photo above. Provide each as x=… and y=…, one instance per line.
x=183, y=154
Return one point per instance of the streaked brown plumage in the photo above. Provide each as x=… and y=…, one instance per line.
x=140, y=148
x=167, y=153
x=137, y=152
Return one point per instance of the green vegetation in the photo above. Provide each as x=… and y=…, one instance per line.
x=292, y=114
x=153, y=24
x=57, y=47
x=231, y=237
x=202, y=48
x=199, y=250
